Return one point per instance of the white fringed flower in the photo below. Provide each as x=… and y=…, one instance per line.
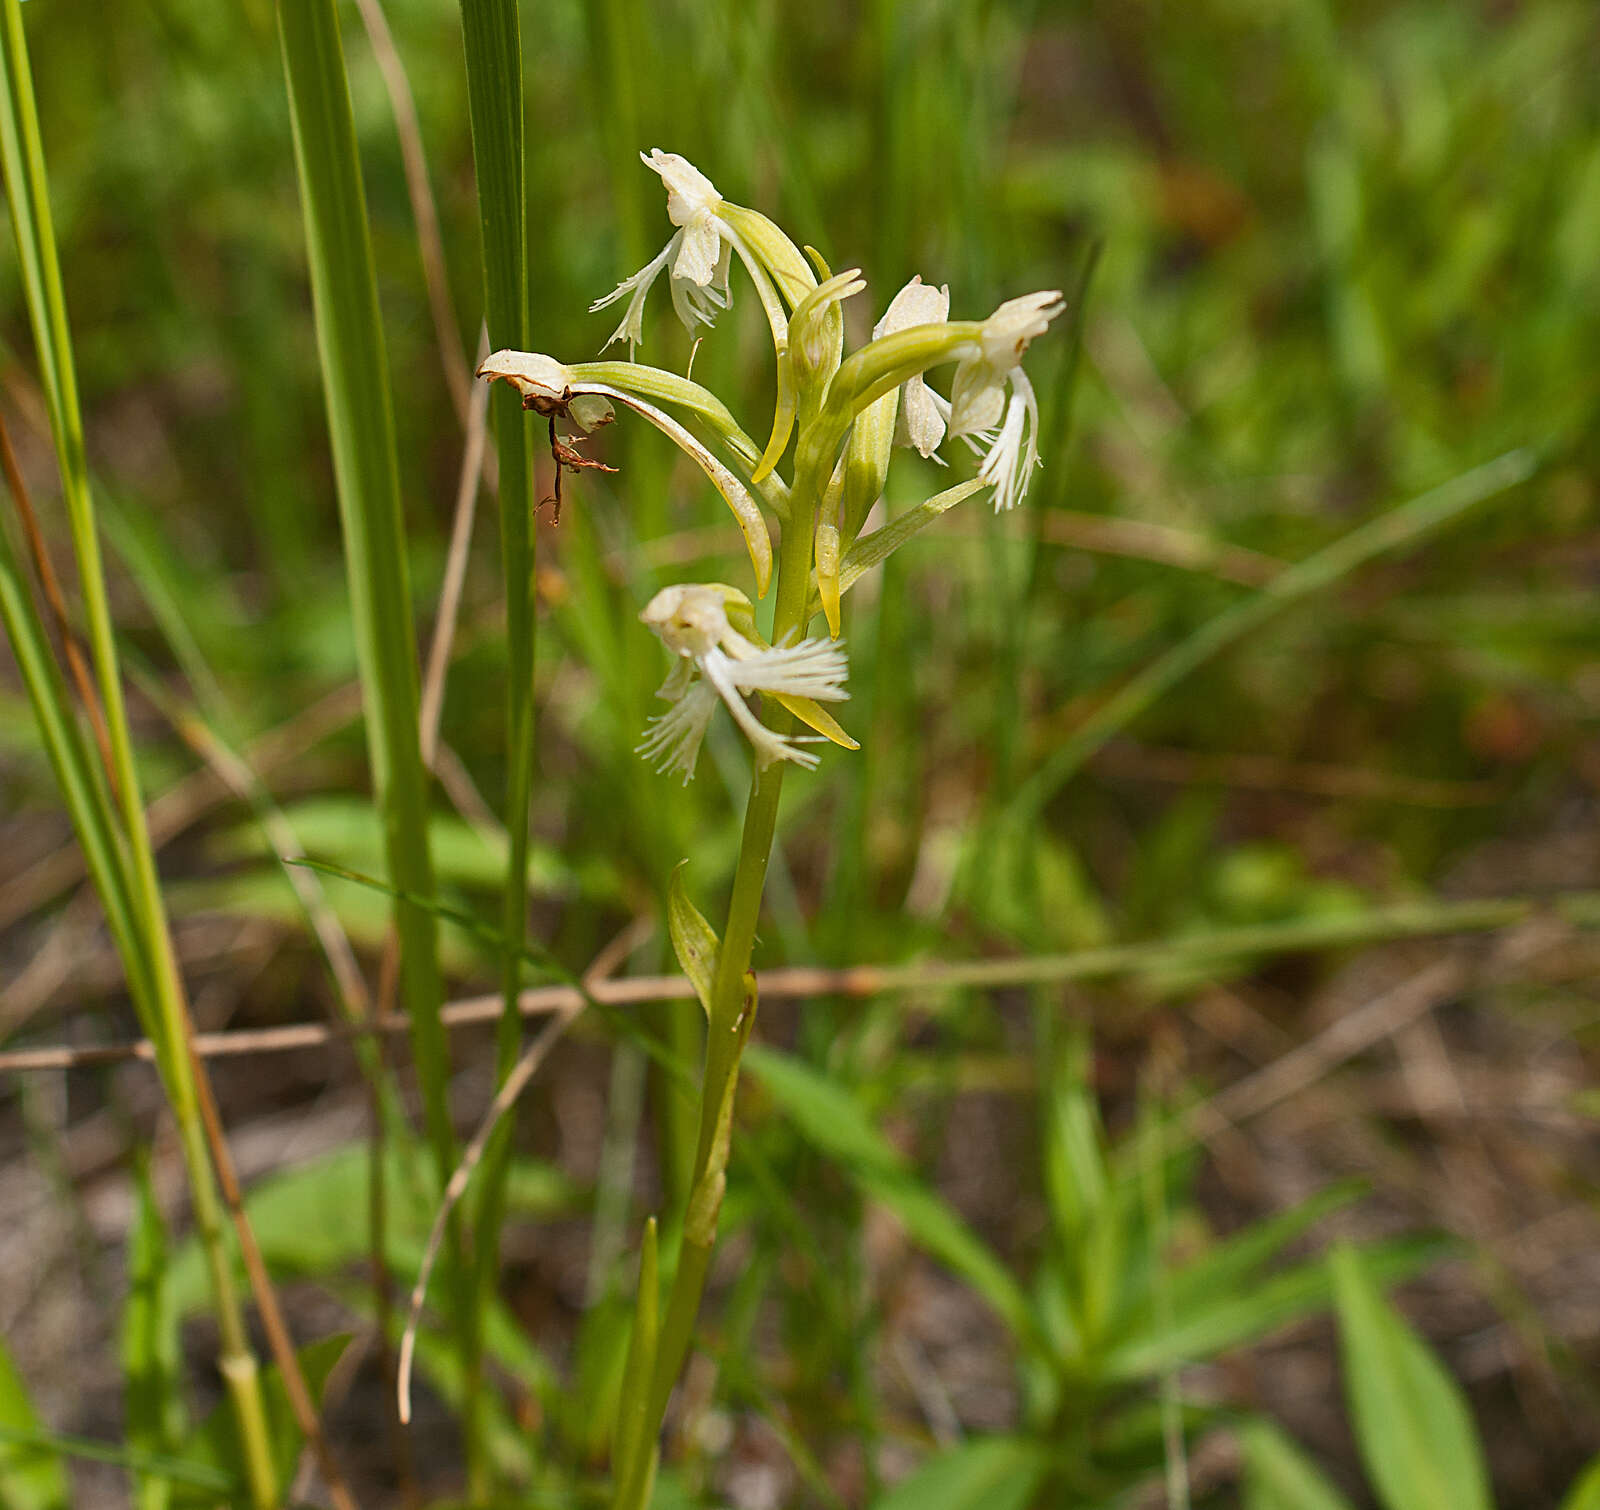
x=1004, y=431
x=717, y=662
x=920, y=421
x=696, y=258
x=977, y=399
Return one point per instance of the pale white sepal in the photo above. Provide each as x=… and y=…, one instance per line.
x=919, y=422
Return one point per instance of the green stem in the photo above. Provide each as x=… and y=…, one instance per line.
x=732, y=1010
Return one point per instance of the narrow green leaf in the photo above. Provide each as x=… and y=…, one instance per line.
x=874, y=549
x=833, y=1122
x=694, y=940
x=1075, y=1173
x=355, y=377
x=1394, y=530
x=31, y=1475
x=1229, y=1266
x=633, y=1406
x=135, y=896
x=587, y=1408
x=1215, y=1323
x=1585, y=1492
x=91, y=1450
x=492, y=44
x=152, y=1358
x=78, y=776
x=345, y=828
x=1278, y=1476
x=1411, y=1420
x=992, y=1473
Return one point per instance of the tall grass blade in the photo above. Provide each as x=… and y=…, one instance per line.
x=1278, y=1476
x=493, y=45
x=361, y=424
x=79, y=779
x=146, y=941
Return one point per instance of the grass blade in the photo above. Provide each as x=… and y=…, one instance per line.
x=31, y=1477
x=493, y=45
x=151, y=1350
x=146, y=942
x=1391, y=531
x=1278, y=1476
x=361, y=424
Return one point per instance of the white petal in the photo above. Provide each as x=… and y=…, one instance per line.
x=637, y=288
x=919, y=422
x=678, y=679
x=699, y=248
x=690, y=618
x=977, y=397
x=1015, y=452
x=696, y=305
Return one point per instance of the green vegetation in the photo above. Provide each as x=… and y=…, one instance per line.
x=1178, y=945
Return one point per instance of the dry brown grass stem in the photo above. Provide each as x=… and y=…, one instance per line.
x=262, y=1289
x=447, y=331
x=431, y=707
x=77, y=665
x=788, y=983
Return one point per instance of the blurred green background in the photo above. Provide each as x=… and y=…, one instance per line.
x=1319, y=258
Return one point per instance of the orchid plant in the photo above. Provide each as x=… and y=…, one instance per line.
x=844, y=413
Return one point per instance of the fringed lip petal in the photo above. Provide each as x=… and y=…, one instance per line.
x=672, y=741
x=1014, y=452
x=637, y=289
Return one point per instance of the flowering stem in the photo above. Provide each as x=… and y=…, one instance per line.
x=731, y=1014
